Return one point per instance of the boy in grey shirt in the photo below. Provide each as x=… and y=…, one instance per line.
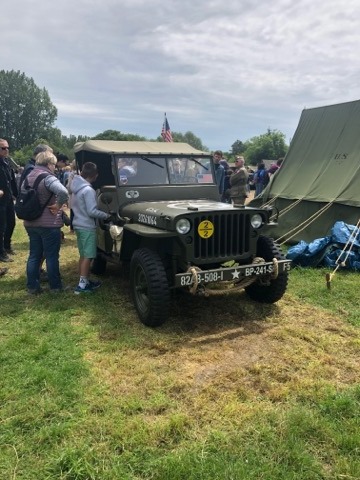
x=83, y=203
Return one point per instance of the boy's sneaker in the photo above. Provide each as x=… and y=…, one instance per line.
x=87, y=289
x=94, y=285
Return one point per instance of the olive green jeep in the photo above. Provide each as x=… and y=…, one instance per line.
x=171, y=230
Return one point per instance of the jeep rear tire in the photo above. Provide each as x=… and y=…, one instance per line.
x=272, y=292
x=149, y=287
x=98, y=266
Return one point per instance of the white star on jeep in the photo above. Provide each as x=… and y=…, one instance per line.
x=235, y=274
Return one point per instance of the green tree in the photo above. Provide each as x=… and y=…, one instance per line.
x=55, y=140
x=69, y=142
x=62, y=143
x=238, y=147
x=270, y=145
x=188, y=137
x=116, y=135
x=26, y=111
x=54, y=136
x=23, y=155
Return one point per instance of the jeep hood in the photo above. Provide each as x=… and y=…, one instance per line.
x=173, y=209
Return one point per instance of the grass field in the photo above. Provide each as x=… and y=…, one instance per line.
x=226, y=389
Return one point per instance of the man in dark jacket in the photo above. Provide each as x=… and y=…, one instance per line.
x=8, y=192
x=42, y=147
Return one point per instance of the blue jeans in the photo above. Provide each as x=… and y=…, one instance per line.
x=44, y=242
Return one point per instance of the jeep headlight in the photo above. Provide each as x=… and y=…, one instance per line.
x=183, y=226
x=256, y=221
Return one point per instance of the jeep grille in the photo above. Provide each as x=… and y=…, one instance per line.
x=231, y=237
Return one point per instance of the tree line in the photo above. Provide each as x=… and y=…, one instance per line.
x=27, y=117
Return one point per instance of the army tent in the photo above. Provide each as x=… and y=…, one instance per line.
x=319, y=181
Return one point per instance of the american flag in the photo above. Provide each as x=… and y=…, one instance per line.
x=166, y=132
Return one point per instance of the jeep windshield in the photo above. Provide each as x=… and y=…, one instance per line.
x=157, y=170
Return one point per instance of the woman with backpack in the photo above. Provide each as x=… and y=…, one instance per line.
x=44, y=231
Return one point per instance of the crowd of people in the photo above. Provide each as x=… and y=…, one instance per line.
x=235, y=184
x=262, y=176
x=57, y=188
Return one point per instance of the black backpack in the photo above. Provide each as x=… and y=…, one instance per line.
x=27, y=205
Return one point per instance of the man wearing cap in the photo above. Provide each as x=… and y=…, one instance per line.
x=8, y=191
x=42, y=147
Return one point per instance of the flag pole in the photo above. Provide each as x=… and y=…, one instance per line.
x=165, y=131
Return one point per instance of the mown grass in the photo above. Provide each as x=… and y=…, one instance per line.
x=226, y=389
x=310, y=285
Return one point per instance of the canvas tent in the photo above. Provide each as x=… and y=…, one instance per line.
x=319, y=181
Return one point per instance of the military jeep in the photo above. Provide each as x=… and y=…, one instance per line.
x=170, y=230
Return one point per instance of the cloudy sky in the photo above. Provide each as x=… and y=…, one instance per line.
x=225, y=70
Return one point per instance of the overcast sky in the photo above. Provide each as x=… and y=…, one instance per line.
x=225, y=70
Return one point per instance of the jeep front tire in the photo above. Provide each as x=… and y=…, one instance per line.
x=149, y=287
x=268, y=291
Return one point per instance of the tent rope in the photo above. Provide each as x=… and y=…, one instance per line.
x=268, y=203
x=351, y=241
x=288, y=208
x=304, y=224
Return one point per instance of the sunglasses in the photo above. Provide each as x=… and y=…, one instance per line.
x=4, y=148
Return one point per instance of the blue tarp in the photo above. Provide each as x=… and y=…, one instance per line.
x=327, y=250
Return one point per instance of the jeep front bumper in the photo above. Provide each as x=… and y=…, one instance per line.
x=234, y=274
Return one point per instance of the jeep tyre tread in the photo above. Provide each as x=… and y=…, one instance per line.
x=149, y=287
x=268, y=249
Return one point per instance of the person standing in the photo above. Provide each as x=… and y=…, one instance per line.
x=62, y=163
x=224, y=162
x=226, y=195
x=42, y=147
x=219, y=171
x=274, y=167
x=261, y=178
x=68, y=186
x=83, y=203
x=44, y=232
x=238, y=182
x=8, y=192
x=177, y=175
x=18, y=174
